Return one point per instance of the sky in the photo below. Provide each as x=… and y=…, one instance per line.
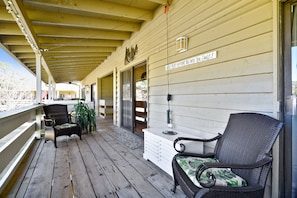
x=5, y=57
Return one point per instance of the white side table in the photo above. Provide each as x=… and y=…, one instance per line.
x=158, y=147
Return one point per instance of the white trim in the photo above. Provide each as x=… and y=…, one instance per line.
x=276, y=110
x=15, y=163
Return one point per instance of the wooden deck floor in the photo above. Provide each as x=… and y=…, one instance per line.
x=101, y=165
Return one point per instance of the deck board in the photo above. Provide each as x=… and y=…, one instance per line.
x=99, y=165
x=41, y=180
x=109, y=169
x=143, y=187
x=62, y=186
x=82, y=185
x=100, y=183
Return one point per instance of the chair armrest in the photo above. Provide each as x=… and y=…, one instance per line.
x=266, y=160
x=50, y=120
x=183, y=146
x=201, y=155
x=69, y=118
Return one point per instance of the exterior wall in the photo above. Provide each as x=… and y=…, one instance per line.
x=240, y=79
x=106, y=88
x=205, y=93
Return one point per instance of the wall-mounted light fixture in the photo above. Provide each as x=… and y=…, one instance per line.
x=182, y=44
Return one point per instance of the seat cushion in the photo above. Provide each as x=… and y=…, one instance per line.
x=224, y=176
x=65, y=126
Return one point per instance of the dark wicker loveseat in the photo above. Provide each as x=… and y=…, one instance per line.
x=56, y=115
x=244, y=149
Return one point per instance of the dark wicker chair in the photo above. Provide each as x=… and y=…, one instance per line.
x=56, y=115
x=244, y=147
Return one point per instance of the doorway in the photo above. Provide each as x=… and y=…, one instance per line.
x=105, y=97
x=93, y=95
x=134, y=99
x=290, y=98
x=140, y=99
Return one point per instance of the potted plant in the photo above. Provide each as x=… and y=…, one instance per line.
x=85, y=116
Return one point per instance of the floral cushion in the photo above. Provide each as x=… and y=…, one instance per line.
x=65, y=126
x=224, y=176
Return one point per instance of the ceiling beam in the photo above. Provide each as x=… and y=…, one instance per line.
x=21, y=49
x=162, y=2
x=67, y=32
x=49, y=41
x=74, y=67
x=91, y=62
x=75, y=59
x=82, y=49
x=10, y=29
x=29, y=60
x=73, y=54
x=14, y=40
x=87, y=63
x=100, y=7
x=68, y=20
x=5, y=16
x=25, y=55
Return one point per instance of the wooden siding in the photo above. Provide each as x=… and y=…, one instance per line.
x=106, y=87
x=205, y=93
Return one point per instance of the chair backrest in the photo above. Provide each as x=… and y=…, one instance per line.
x=58, y=112
x=247, y=138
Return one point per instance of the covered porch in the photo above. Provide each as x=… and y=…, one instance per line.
x=106, y=163
x=237, y=57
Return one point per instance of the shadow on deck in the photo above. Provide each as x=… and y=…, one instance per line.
x=105, y=163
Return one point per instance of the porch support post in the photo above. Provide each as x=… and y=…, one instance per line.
x=50, y=89
x=54, y=91
x=38, y=95
x=116, y=99
x=38, y=78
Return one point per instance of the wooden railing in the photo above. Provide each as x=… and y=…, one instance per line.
x=18, y=130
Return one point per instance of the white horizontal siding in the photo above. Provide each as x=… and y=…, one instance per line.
x=203, y=94
x=240, y=79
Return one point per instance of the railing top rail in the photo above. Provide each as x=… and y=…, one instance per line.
x=14, y=112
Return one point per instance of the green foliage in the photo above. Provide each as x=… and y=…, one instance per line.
x=85, y=116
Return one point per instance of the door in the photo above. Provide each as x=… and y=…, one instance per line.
x=93, y=94
x=126, y=107
x=134, y=99
x=290, y=93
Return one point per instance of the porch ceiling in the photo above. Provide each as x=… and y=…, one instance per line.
x=74, y=37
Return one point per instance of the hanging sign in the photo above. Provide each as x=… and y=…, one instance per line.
x=193, y=60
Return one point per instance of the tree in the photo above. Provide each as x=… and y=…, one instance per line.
x=16, y=89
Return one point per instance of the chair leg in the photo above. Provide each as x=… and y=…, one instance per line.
x=55, y=141
x=174, y=186
x=79, y=134
x=173, y=190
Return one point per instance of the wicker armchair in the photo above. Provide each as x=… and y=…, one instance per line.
x=56, y=115
x=243, y=150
